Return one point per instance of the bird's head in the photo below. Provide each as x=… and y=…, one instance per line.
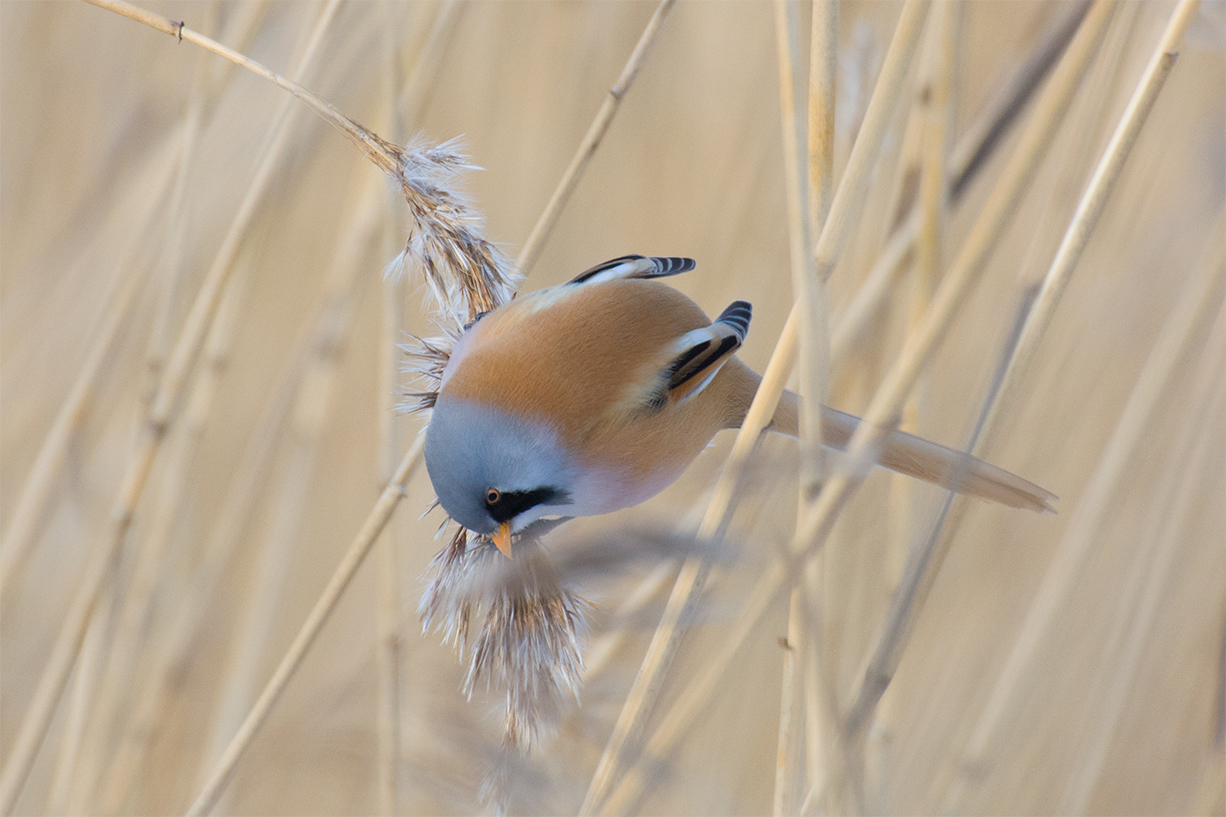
x=495, y=473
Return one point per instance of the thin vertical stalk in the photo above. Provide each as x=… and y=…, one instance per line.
x=19, y=536
x=137, y=602
x=417, y=86
x=80, y=703
x=934, y=112
x=1092, y=201
x=176, y=648
x=308, y=419
x=172, y=281
x=815, y=366
x=804, y=283
x=923, y=562
x=387, y=587
x=388, y=599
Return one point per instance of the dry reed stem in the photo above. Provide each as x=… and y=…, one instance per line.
x=19, y=536
x=415, y=91
x=923, y=562
x=377, y=150
x=531, y=250
x=273, y=561
x=177, y=647
x=815, y=363
x=80, y=704
x=681, y=716
x=935, y=112
x=405, y=107
x=67, y=646
x=1139, y=599
x=308, y=419
x=1049, y=111
x=1079, y=537
x=140, y=592
x=989, y=127
x=969, y=154
x=1091, y=204
x=934, y=115
x=361, y=545
x=920, y=345
x=788, y=778
x=161, y=415
x=1209, y=799
x=388, y=590
x=150, y=554
x=161, y=336
x=814, y=366
x=823, y=64
x=601, y=652
x=853, y=186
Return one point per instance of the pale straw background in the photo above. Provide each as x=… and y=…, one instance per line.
x=1119, y=708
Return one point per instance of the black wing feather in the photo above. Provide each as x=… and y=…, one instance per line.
x=701, y=353
x=635, y=266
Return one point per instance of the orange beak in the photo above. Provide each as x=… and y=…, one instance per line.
x=502, y=538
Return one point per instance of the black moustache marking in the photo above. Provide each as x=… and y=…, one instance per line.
x=511, y=504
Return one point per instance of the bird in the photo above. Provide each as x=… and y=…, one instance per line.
x=595, y=395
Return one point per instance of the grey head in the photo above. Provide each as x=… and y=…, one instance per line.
x=489, y=467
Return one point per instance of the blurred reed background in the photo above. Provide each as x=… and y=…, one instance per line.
x=1061, y=663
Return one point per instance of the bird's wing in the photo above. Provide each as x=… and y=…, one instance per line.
x=700, y=353
x=634, y=266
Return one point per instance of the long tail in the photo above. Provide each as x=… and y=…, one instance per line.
x=916, y=457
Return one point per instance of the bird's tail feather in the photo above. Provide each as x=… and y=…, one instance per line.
x=916, y=457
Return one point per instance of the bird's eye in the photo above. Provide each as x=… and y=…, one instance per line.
x=492, y=496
